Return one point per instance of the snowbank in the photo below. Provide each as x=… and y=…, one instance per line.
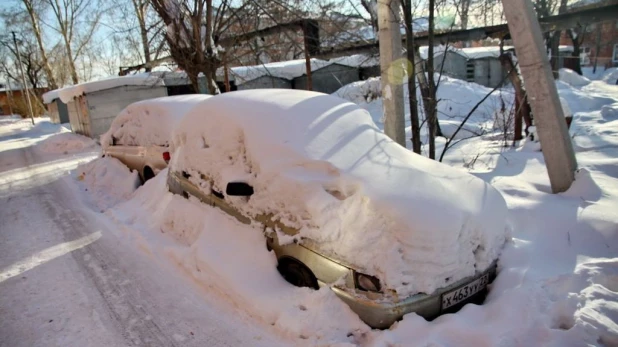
x=610, y=76
x=457, y=99
x=66, y=143
x=610, y=112
x=67, y=94
x=107, y=180
x=233, y=265
x=360, y=92
x=571, y=77
x=149, y=122
x=321, y=165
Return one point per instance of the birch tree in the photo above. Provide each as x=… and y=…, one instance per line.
x=76, y=22
x=34, y=8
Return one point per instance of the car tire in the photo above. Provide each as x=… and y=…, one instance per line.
x=297, y=273
x=147, y=174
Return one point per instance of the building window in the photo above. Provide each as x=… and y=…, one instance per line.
x=615, y=56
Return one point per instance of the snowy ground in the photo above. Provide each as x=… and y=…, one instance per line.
x=86, y=260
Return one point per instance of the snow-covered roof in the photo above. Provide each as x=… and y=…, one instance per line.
x=285, y=69
x=67, y=94
x=358, y=60
x=320, y=164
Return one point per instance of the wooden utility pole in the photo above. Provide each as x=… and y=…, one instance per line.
x=391, y=65
x=542, y=93
x=307, y=56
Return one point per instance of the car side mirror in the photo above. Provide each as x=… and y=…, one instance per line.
x=238, y=189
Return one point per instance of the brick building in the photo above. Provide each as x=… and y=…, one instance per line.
x=598, y=41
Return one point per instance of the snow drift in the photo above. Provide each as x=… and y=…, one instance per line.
x=66, y=143
x=149, y=122
x=108, y=181
x=321, y=165
x=573, y=78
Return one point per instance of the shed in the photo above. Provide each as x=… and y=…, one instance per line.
x=266, y=82
x=480, y=65
x=92, y=106
x=453, y=65
x=367, y=64
x=329, y=79
x=58, y=111
x=273, y=75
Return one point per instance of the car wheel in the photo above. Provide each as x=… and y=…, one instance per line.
x=147, y=174
x=297, y=273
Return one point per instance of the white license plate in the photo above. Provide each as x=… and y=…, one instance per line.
x=462, y=293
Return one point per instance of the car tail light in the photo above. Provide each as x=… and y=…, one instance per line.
x=166, y=157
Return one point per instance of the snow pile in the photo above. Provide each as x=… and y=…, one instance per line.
x=610, y=111
x=320, y=165
x=610, y=76
x=361, y=91
x=67, y=94
x=149, y=122
x=230, y=260
x=285, y=69
x=66, y=143
x=582, y=100
x=107, y=180
x=457, y=99
x=573, y=78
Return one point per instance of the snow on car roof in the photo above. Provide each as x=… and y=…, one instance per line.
x=68, y=93
x=150, y=122
x=320, y=164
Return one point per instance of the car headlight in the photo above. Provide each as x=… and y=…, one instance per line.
x=367, y=283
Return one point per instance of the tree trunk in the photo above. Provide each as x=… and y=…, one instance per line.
x=576, y=50
x=522, y=107
x=51, y=81
x=140, y=11
x=72, y=68
x=410, y=49
x=554, y=46
x=430, y=98
x=597, y=48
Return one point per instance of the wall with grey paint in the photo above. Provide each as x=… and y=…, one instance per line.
x=104, y=105
x=266, y=82
x=329, y=78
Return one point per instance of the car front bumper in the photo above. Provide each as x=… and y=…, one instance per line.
x=381, y=314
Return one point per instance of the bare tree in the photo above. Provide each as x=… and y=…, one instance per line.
x=193, y=26
x=139, y=30
x=76, y=22
x=34, y=8
x=412, y=99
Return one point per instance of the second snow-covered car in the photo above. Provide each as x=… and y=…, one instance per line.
x=340, y=203
x=140, y=135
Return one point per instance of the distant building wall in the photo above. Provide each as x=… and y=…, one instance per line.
x=265, y=82
x=329, y=78
x=103, y=106
x=454, y=65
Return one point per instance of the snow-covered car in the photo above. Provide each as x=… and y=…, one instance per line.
x=340, y=203
x=140, y=135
